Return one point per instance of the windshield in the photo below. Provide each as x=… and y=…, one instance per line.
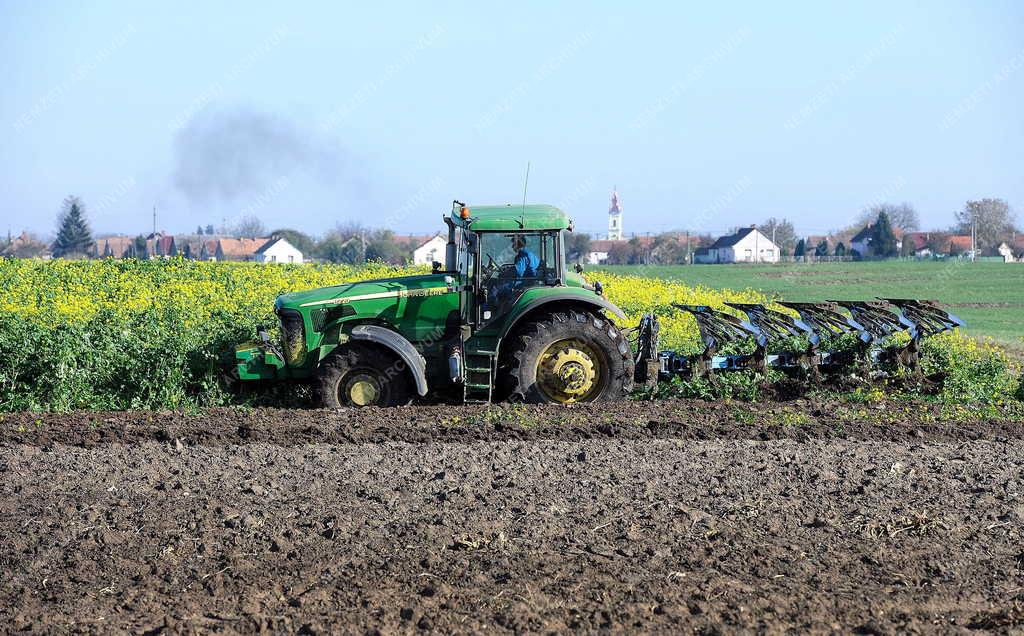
x=521, y=255
x=512, y=262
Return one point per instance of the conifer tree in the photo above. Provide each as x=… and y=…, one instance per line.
x=884, y=245
x=74, y=236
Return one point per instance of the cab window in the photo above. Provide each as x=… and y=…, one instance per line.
x=524, y=256
x=512, y=262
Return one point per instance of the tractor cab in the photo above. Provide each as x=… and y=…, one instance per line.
x=509, y=262
x=501, y=252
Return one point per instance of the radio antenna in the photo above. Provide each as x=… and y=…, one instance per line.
x=526, y=184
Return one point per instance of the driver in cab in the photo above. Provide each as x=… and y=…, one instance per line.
x=524, y=266
x=526, y=261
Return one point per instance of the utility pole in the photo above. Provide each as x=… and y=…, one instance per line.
x=689, y=256
x=974, y=237
x=154, y=222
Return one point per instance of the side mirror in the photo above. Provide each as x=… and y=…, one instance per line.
x=578, y=268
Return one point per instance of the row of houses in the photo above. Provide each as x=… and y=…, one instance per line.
x=750, y=245
x=425, y=248
x=274, y=249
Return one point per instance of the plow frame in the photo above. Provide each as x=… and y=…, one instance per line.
x=871, y=322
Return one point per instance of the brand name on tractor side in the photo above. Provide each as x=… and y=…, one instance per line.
x=399, y=293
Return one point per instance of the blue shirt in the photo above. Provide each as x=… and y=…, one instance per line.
x=526, y=263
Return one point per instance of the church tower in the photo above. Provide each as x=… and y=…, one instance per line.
x=615, y=218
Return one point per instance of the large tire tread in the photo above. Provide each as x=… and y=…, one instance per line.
x=354, y=356
x=530, y=341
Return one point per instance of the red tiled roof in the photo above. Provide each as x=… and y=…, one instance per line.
x=961, y=242
x=918, y=239
x=241, y=248
x=415, y=240
x=116, y=246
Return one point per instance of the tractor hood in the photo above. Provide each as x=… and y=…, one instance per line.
x=383, y=289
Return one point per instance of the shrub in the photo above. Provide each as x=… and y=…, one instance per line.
x=976, y=372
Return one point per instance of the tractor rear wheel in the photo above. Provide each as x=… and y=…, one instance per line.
x=358, y=375
x=569, y=357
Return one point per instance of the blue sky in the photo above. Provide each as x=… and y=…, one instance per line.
x=704, y=117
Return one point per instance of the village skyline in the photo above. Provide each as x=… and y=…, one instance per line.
x=419, y=222
x=985, y=227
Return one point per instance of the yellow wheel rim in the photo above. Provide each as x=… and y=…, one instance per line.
x=363, y=391
x=569, y=371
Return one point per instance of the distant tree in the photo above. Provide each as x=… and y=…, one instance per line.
x=992, y=220
x=800, y=250
x=383, y=246
x=639, y=251
x=73, y=235
x=248, y=226
x=199, y=230
x=209, y=230
x=884, y=241
x=908, y=247
x=622, y=253
x=938, y=242
x=335, y=248
x=668, y=249
x=782, y=232
x=821, y=249
x=577, y=246
x=330, y=249
x=902, y=216
x=840, y=250
x=138, y=248
x=302, y=242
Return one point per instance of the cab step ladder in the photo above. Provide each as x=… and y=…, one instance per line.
x=479, y=384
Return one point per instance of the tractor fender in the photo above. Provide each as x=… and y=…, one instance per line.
x=529, y=307
x=402, y=348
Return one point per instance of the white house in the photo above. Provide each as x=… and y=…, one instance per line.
x=598, y=252
x=748, y=245
x=278, y=250
x=430, y=250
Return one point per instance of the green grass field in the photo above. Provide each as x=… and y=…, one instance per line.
x=989, y=296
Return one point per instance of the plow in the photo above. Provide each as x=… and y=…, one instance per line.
x=794, y=342
x=504, y=317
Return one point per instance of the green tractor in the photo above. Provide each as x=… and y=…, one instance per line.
x=503, y=318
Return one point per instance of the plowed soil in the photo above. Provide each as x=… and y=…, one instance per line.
x=669, y=517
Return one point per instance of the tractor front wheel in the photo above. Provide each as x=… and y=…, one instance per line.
x=569, y=357
x=358, y=375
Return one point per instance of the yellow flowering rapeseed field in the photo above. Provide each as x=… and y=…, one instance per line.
x=59, y=292
x=118, y=334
